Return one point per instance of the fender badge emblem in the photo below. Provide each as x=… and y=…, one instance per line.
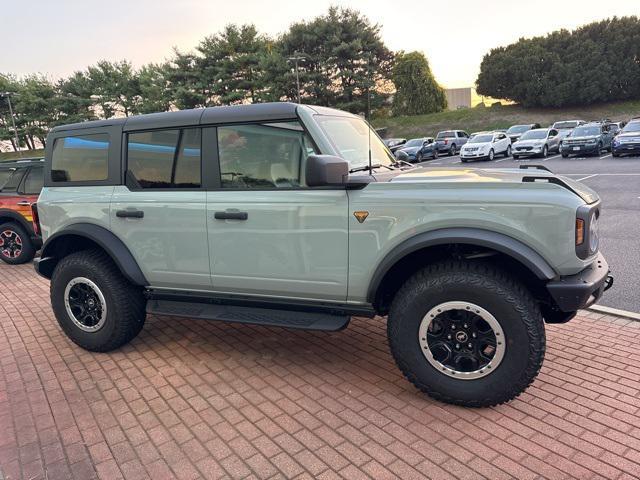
x=361, y=216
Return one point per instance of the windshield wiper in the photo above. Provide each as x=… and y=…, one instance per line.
x=362, y=168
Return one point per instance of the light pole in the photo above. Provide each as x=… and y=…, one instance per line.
x=297, y=57
x=8, y=95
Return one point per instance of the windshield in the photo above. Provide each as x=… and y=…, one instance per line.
x=534, y=135
x=481, y=139
x=414, y=142
x=446, y=135
x=351, y=136
x=632, y=127
x=519, y=129
x=571, y=124
x=585, y=132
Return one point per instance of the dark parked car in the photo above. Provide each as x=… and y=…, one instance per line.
x=394, y=143
x=589, y=139
x=451, y=141
x=515, y=132
x=418, y=149
x=628, y=139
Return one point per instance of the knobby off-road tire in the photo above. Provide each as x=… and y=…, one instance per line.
x=493, y=290
x=124, y=302
x=20, y=242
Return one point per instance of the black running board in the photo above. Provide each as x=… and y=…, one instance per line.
x=251, y=315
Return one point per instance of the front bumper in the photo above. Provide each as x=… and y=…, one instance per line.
x=474, y=156
x=583, y=289
x=578, y=149
x=626, y=148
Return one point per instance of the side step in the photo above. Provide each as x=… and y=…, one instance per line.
x=255, y=316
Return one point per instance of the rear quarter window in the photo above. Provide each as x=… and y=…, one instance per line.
x=80, y=158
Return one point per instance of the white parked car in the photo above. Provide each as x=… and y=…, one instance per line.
x=485, y=146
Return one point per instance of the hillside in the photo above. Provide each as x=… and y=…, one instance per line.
x=6, y=156
x=490, y=118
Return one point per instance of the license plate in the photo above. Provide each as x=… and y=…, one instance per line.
x=576, y=149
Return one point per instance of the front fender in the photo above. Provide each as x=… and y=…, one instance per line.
x=499, y=242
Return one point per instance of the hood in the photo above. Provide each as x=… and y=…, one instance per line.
x=530, y=143
x=475, y=145
x=493, y=175
x=411, y=150
x=583, y=139
x=628, y=134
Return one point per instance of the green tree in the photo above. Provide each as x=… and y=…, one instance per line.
x=73, y=102
x=153, y=84
x=346, y=62
x=417, y=91
x=115, y=88
x=230, y=65
x=599, y=62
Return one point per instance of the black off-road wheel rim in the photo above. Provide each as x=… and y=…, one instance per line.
x=462, y=340
x=85, y=304
x=10, y=244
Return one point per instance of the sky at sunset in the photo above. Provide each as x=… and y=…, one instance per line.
x=59, y=37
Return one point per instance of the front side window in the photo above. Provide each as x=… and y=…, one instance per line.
x=80, y=158
x=263, y=156
x=165, y=158
x=34, y=181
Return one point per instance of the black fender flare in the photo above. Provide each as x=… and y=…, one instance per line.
x=499, y=242
x=19, y=219
x=107, y=240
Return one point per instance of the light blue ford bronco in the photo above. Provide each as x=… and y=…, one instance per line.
x=298, y=216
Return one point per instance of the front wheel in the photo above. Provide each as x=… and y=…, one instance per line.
x=467, y=333
x=94, y=304
x=599, y=150
x=453, y=150
x=545, y=152
x=507, y=154
x=491, y=155
x=15, y=244
x=419, y=157
x=515, y=157
x=435, y=153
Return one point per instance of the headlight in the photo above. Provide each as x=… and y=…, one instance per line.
x=587, y=234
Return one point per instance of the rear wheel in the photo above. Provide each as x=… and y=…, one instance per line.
x=95, y=305
x=15, y=244
x=565, y=155
x=467, y=333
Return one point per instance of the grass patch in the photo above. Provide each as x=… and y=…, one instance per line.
x=491, y=118
x=7, y=156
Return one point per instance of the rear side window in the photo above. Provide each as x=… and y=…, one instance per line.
x=34, y=181
x=11, y=184
x=446, y=134
x=80, y=158
x=4, y=176
x=165, y=158
x=263, y=156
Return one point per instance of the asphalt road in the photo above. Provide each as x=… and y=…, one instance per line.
x=617, y=181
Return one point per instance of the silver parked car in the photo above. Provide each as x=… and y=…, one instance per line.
x=537, y=143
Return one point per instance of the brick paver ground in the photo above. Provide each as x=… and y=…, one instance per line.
x=189, y=399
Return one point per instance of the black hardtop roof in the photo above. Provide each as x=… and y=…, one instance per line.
x=21, y=162
x=258, y=112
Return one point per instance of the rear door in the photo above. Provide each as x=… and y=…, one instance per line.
x=160, y=211
x=269, y=234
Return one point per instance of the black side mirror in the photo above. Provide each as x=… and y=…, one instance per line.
x=326, y=170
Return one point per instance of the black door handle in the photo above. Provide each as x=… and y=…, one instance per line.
x=231, y=215
x=129, y=214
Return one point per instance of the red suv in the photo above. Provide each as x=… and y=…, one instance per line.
x=20, y=185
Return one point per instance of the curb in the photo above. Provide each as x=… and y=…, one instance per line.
x=615, y=311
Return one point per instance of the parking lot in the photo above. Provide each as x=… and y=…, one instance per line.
x=617, y=181
x=190, y=398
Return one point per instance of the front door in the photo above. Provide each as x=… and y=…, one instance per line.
x=269, y=234
x=160, y=213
